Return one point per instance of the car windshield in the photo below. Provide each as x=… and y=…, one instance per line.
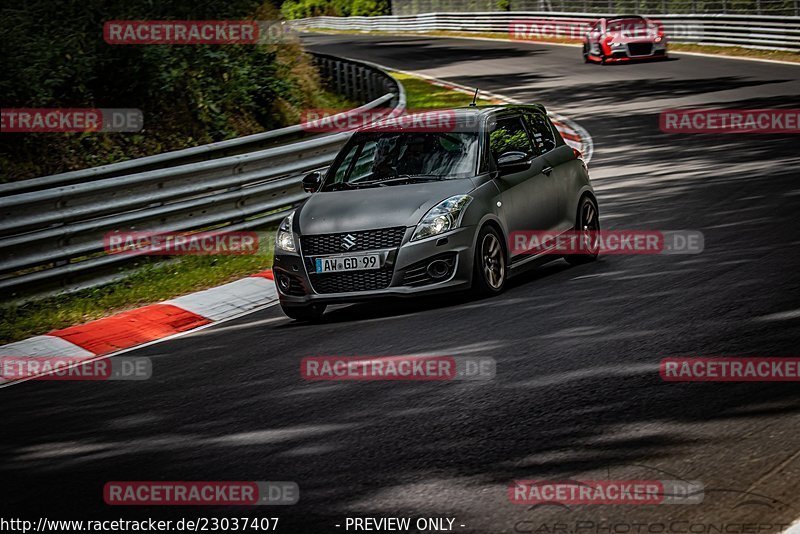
x=391, y=158
x=629, y=27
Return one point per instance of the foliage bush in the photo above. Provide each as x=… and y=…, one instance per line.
x=298, y=9
x=53, y=55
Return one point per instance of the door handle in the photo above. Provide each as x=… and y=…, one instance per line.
x=547, y=170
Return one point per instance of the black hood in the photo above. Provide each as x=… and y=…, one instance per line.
x=375, y=207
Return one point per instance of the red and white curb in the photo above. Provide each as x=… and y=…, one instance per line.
x=112, y=335
x=573, y=133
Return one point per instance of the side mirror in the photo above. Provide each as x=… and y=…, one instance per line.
x=512, y=162
x=311, y=182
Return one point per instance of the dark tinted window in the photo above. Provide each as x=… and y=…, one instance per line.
x=542, y=133
x=509, y=136
x=375, y=157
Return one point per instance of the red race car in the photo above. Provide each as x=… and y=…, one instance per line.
x=624, y=38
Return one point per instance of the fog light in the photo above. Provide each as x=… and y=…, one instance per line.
x=438, y=269
x=284, y=282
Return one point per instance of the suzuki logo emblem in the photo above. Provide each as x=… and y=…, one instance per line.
x=348, y=241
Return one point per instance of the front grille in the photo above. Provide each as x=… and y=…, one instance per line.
x=368, y=240
x=640, y=49
x=417, y=273
x=351, y=282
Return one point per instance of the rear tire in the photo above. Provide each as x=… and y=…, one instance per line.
x=587, y=222
x=490, y=271
x=309, y=313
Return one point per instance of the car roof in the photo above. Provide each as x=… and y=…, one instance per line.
x=463, y=118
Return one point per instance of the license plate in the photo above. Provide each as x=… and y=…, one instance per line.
x=360, y=262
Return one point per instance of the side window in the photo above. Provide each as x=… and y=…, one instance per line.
x=542, y=133
x=509, y=136
x=487, y=163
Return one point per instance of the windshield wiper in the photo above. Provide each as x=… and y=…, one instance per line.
x=400, y=178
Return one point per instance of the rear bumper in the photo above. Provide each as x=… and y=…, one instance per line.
x=406, y=262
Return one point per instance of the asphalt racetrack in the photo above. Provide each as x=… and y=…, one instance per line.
x=577, y=392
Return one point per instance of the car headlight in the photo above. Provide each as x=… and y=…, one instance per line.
x=443, y=217
x=285, y=238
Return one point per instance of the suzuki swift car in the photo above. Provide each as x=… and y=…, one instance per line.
x=427, y=204
x=620, y=39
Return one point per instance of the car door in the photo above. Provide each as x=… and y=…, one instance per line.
x=527, y=196
x=559, y=166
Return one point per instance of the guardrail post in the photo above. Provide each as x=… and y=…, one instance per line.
x=370, y=85
x=348, y=81
x=339, y=76
x=362, y=86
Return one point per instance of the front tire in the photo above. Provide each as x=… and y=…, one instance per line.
x=587, y=223
x=309, y=313
x=489, y=271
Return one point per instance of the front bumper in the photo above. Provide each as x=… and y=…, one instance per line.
x=628, y=52
x=404, y=263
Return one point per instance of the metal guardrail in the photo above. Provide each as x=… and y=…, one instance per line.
x=725, y=7
x=767, y=32
x=51, y=237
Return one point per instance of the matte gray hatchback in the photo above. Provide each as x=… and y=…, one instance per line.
x=427, y=204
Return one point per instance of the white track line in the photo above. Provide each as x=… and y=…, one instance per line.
x=137, y=347
x=574, y=45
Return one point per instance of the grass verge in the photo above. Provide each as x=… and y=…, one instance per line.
x=422, y=95
x=165, y=280
x=147, y=285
